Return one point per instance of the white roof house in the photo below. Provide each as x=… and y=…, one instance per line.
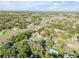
x=75, y=37
x=53, y=51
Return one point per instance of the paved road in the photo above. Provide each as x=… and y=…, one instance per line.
x=12, y=34
x=9, y=35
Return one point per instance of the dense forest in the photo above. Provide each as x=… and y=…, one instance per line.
x=39, y=35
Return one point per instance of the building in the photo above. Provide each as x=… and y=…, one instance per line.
x=76, y=37
x=1, y=32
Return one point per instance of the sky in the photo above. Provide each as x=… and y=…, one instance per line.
x=39, y=6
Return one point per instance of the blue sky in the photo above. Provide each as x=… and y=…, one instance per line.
x=39, y=5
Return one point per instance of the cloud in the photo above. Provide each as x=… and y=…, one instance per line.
x=76, y=2
x=38, y=5
x=5, y=4
x=55, y=5
x=31, y=5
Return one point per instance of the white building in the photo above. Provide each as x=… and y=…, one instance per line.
x=53, y=51
x=75, y=38
x=1, y=32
